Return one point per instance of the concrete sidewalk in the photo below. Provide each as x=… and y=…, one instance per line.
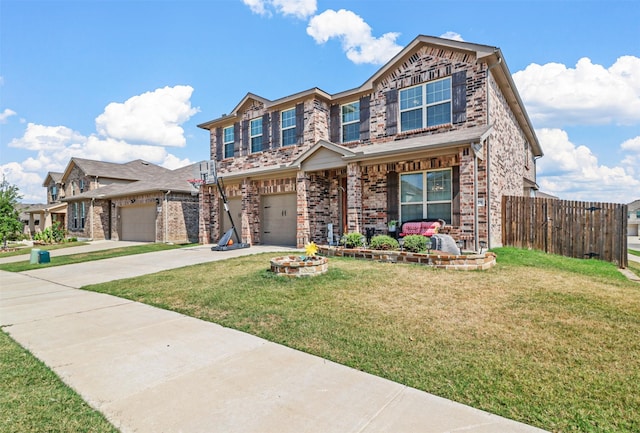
x=152, y=370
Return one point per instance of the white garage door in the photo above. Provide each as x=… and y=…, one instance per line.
x=279, y=219
x=235, y=208
x=138, y=223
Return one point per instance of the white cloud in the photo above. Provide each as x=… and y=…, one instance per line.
x=452, y=35
x=355, y=34
x=297, y=8
x=29, y=183
x=586, y=94
x=151, y=118
x=633, y=144
x=572, y=172
x=6, y=114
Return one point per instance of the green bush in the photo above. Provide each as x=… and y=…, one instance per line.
x=415, y=243
x=352, y=240
x=384, y=242
x=51, y=235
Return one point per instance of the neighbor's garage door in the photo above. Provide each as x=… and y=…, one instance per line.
x=138, y=223
x=279, y=219
x=235, y=207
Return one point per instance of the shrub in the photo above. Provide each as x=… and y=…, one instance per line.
x=415, y=243
x=384, y=242
x=51, y=235
x=352, y=240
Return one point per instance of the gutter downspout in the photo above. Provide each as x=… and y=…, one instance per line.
x=488, y=154
x=93, y=199
x=166, y=216
x=475, y=199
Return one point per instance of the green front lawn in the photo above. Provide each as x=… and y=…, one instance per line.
x=87, y=257
x=546, y=340
x=34, y=399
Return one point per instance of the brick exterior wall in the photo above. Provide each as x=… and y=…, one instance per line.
x=320, y=197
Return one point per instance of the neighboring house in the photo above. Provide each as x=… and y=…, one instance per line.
x=41, y=217
x=633, y=221
x=135, y=201
x=438, y=132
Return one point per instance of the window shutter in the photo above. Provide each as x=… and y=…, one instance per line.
x=236, y=139
x=300, y=123
x=334, y=123
x=364, y=118
x=455, y=203
x=219, y=144
x=391, y=97
x=459, y=92
x=245, y=137
x=275, y=129
x=392, y=195
x=266, y=139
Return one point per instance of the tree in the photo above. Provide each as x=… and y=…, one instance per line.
x=9, y=216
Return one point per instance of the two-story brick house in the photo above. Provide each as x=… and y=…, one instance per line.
x=438, y=132
x=135, y=201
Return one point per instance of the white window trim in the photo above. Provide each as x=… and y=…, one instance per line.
x=425, y=202
x=252, y=136
x=343, y=124
x=425, y=105
x=224, y=142
x=282, y=128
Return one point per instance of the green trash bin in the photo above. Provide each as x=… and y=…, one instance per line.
x=43, y=257
x=35, y=256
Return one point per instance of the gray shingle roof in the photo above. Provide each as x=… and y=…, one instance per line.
x=133, y=170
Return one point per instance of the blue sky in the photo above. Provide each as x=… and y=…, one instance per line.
x=119, y=80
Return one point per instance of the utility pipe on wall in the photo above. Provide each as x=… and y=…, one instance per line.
x=166, y=216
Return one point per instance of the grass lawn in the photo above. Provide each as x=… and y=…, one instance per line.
x=33, y=399
x=86, y=257
x=546, y=340
x=27, y=250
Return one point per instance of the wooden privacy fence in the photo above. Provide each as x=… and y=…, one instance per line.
x=569, y=228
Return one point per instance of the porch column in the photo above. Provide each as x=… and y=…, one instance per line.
x=354, y=198
x=248, y=191
x=47, y=220
x=303, y=226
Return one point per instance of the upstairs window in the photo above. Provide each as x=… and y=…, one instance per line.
x=255, y=134
x=288, y=127
x=54, y=193
x=425, y=105
x=81, y=183
x=227, y=140
x=350, y=115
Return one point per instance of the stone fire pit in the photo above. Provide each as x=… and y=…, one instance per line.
x=296, y=266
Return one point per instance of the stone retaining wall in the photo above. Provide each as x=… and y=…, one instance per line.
x=464, y=262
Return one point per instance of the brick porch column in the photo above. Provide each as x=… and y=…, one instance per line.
x=354, y=198
x=244, y=231
x=302, y=223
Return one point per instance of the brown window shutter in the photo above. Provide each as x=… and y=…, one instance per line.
x=245, y=137
x=455, y=203
x=219, y=144
x=334, y=123
x=266, y=139
x=392, y=195
x=275, y=129
x=459, y=94
x=391, y=97
x=300, y=123
x=364, y=118
x=236, y=139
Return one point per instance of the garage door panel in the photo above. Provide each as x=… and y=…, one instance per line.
x=279, y=219
x=138, y=223
x=235, y=208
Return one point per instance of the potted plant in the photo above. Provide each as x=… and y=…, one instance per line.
x=392, y=225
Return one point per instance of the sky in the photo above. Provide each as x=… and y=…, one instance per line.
x=118, y=80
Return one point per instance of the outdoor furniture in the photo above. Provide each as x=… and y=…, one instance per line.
x=423, y=227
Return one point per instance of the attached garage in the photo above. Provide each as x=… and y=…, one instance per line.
x=279, y=219
x=235, y=208
x=138, y=223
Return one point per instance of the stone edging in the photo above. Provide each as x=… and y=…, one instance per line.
x=464, y=262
